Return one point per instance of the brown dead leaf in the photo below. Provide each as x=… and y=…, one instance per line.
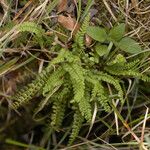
x=88, y=40
x=62, y=6
x=67, y=22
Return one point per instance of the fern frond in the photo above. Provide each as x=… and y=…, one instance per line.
x=85, y=109
x=121, y=64
x=60, y=58
x=54, y=80
x=130, y=73
x=32, y=28
x=79, y=38
x=145, y=78
x=27, y=93
x=76, y=73
x=119, y=59
x=111, y=80
x=59, y=107
x=76, y=126
x=77, y=77
x=132, y=65
x=99, y=93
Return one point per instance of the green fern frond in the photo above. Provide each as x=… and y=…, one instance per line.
x=132, y=64
x=76, y=126
x=79, y=38
x=27, y=93
x=123, y=66
x=85, y=109
x=76, y=73
x=130, y=73
x=111, y=80
x=98, y=93
x=60, y=58
x=119, y=59
x=77, y=77
x=32, y=28
x=145, y=78
x=54, y=80
x=59, y=107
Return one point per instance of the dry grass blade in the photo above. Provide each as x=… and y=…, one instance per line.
x=93, y=120
x=110, y=11
x=144, y=124
x=23, y=9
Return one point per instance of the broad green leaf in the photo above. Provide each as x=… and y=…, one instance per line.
x=129, y=45
x=101, y=49
x=97, y=33
x=117, y=32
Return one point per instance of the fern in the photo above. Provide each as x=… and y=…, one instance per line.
x=59, y=107
x=132, y=64
x=77, y=123
x=130, y=73
x=79, y=38
x=60, y=58
x=118, y=66
x=54, y=80
x=57, y=117
x=76, y=74
x=77, y=78
x=98, y=93
x=32, y=27
x=27, y=93
x=119, y=59
x=109, y=79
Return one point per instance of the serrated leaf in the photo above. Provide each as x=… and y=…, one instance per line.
x=117, y=32
x=129, y=45
x=101, y=49
x=97, y=33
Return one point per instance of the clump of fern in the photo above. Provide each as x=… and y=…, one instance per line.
x=78, y=81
